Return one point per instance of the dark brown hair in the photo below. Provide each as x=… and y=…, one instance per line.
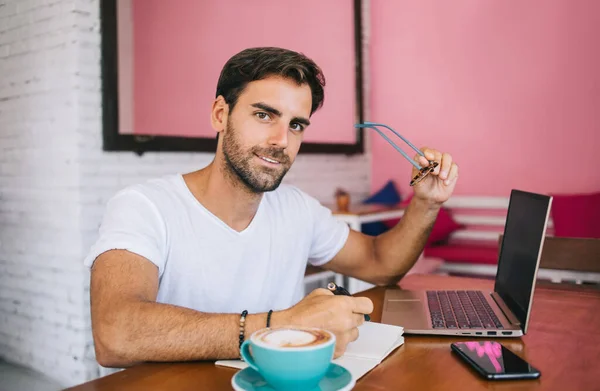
x=259, y=63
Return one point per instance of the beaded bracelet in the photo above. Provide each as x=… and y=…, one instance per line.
x=269, y=318
x=242, y=328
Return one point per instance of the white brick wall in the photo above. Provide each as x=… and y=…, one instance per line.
x=44, y=322
x=55, y=181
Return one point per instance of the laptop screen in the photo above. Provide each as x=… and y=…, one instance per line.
x=524, y=232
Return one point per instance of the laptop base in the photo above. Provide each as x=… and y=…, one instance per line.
x=410, y=310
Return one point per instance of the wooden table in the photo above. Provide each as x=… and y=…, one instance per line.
x=563, y=342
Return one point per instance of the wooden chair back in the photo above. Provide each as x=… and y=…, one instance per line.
x=576, y=254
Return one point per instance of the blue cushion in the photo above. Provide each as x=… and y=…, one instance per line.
x=388, y=195
x=374, y=228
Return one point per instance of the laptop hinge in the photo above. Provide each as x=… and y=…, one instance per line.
x=504, y=308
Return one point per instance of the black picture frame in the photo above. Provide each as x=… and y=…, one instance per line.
x=114, y=141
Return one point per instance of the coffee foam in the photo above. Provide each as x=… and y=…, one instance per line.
x=294, y=337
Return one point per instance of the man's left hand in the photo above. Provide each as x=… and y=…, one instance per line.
x=438, y=186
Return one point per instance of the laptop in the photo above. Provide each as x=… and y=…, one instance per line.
x=501, y=313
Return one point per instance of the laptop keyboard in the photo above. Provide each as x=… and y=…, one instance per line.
x=461, y=310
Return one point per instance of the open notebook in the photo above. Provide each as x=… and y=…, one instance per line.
x=374, y=343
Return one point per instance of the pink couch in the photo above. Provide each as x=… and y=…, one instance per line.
x=576, y=215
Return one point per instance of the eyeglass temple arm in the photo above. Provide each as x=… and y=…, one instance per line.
x=397, y=134
x=373, y=126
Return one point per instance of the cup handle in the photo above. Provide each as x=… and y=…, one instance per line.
x=245, y=352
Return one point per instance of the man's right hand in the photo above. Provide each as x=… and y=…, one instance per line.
x=321, y=308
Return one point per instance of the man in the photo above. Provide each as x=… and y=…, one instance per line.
x=180, y=260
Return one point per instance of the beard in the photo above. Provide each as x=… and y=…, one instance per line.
x=257, y=179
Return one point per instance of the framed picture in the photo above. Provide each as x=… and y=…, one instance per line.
x=161, y=61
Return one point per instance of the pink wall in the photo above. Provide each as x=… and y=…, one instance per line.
x=511, y=89
x=180, y=48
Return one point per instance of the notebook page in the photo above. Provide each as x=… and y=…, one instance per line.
x=375, y=341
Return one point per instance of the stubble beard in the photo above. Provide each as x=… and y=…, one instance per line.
x=239, y=164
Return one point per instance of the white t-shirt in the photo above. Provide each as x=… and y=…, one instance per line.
x=206, y=265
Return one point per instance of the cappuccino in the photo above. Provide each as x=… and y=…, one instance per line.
x=293, y=337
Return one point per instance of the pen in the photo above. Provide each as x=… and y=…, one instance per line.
x=340, y=290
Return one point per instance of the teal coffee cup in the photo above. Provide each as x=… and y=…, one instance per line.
x=290, y=358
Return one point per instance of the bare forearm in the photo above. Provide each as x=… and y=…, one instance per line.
x=149, y=331
x=397, y=250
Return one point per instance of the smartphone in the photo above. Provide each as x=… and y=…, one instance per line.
x=493, y=361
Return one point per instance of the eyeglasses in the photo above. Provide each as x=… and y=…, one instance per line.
x=423, y=171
